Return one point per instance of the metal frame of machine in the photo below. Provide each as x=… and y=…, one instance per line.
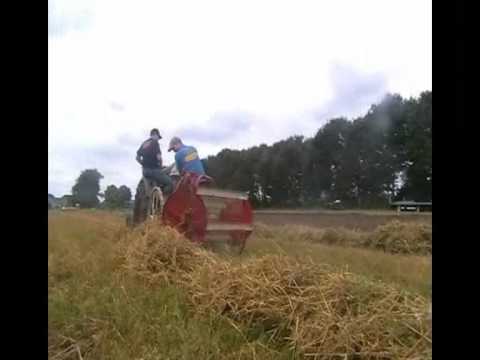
x=203, y=213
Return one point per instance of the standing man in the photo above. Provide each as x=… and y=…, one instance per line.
x=150, y=157
x=186, y=157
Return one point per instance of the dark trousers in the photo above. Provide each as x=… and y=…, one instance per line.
x=162, y=179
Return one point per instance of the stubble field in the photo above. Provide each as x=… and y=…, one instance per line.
x=311, y=287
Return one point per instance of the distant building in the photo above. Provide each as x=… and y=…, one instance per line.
x=53, y=202
x=58, y=203
x=408, y=205
x=67, y=201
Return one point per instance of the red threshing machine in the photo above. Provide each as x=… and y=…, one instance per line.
x=197, y=209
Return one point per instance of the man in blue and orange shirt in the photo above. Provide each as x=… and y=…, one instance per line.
x=186, y=157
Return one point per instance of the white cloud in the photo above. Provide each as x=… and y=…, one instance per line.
x=175, y=64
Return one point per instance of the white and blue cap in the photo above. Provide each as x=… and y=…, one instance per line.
x=174, y=141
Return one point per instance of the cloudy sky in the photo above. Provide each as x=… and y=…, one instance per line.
x=219, y=74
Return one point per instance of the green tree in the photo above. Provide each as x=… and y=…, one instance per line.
x=112, y=198
x=117, y=197
x=87, y=187
x=418, y=150
x=325, y=160
x=358, y=161
x=410, y=140
x=125, y=195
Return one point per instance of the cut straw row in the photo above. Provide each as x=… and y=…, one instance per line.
x=318, y=311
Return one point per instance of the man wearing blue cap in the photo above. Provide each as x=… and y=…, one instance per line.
x=186, y=157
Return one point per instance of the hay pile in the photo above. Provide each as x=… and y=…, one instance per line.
x=394, y=237
x=400, y=237
x=154, y=252
x=319, y=311
x=264, y=291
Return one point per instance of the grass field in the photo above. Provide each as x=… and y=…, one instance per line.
x=352, y=219
x=97, y=311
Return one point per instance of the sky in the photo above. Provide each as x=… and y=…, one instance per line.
x=219, y=74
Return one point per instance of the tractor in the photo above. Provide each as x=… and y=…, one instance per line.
x=197, y=209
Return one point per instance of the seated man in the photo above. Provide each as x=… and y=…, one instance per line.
x=150, y=157
x=186, y=157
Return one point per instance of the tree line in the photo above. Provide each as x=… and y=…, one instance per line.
x=382, y=156
x=86, y=192
x=366, y=162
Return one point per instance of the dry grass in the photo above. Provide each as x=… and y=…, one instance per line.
x=360, y=220
x=344, y=251
x=394, y=237
x=97, y=310
x=314, y=309
x=150, y=294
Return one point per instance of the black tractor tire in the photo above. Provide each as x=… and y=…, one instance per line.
x=140, y=207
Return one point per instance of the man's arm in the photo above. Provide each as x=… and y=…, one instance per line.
x=159, y=154
x=159, y=158
x=179, y=162
x=168, y=169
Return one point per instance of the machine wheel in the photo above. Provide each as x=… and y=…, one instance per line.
x=232, y=247
x=156, y=203
x=129, y=220
x=237, y=242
